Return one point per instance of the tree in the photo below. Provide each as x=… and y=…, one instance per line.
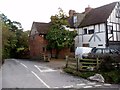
x=59, y=38
x=13, y=38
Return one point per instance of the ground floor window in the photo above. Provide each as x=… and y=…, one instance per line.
x=86, y=45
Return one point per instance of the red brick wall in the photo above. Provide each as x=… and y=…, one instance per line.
x=36, y=45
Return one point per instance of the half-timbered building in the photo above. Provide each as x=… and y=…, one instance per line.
x=99, y=27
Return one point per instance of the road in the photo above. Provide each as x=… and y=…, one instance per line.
x=30, y=74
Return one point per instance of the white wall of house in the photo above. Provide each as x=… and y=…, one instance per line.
x=94, y=39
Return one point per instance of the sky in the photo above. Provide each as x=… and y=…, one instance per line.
x=27, y=11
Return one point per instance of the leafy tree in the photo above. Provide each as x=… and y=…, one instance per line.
x=59, y=38
x=13, y=37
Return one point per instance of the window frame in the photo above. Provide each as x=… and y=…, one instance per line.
x=91, y=30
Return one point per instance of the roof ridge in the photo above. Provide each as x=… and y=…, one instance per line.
x=90, y=17
x=105, y=5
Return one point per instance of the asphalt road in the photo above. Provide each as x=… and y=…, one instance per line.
x=30, y=74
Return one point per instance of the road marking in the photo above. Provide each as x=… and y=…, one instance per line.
x=55, y=87
x=88, y=87
x=97, y=85
x=46, y=69
x=38, y=68
x=68, y=86
x=107, y=84
x=92, y=83
x=81, y=84
x=24, y=65
x=40, y=79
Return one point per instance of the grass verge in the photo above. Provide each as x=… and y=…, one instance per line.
x=109, y=76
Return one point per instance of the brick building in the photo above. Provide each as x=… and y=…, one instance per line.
x=38, y=43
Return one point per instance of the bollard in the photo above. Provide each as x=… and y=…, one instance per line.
x=77, y=66
x=97, y=66
x=66, y=61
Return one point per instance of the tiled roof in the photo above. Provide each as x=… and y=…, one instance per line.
x=42, y=28
x=98, y=15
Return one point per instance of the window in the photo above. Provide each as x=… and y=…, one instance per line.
x=106, y=51
x=75, y=19
x=100, y=44
x=118, y=11
x=110, y=29
x=91, y=31
x=85, y=31
x=99, y=51
x=85, y=45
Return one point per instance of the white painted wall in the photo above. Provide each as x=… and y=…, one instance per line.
x=94, y=42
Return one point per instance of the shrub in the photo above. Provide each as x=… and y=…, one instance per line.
x=112, y=76
x=110, y=62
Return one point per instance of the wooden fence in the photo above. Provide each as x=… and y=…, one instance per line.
x=82, y=64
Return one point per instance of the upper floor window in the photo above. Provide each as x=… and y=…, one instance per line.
x=85, y=31
x=110, y=29
x=75, y=19
x=91, y=31
x=118, y=11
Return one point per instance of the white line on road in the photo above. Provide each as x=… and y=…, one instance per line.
x=92, y=83
x=40, y=79
x=82, y=84
x=38, y=68
x=24, y=65
x=87, y=87
x=97, y=85
x=55, y=87
x=46, y=69
x=68, y=86
x=107, y=84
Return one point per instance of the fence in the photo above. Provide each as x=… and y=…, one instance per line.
x=82, y=64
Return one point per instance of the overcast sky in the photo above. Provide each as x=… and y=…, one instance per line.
x=27, y=11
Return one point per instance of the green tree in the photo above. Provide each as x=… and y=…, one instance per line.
x=59, y=38
x=13, y=37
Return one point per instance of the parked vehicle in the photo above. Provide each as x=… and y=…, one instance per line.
x=82, y=50
x=100, y=52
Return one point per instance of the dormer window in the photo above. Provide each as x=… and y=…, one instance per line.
x=75, y=19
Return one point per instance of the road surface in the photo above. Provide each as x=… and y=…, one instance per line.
x=18, y=73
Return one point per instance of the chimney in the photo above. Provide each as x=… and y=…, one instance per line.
x=71, y=13
x=88, y=9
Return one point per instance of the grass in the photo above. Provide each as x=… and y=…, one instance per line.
x=109, y=76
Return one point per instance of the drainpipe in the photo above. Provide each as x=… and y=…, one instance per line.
x=107, y=40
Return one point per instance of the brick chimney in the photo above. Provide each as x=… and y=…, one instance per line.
x=88, y=9
x=71, y=13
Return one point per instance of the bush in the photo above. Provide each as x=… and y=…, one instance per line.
x=23, y=54
x=112, y=76
x=110, y=62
